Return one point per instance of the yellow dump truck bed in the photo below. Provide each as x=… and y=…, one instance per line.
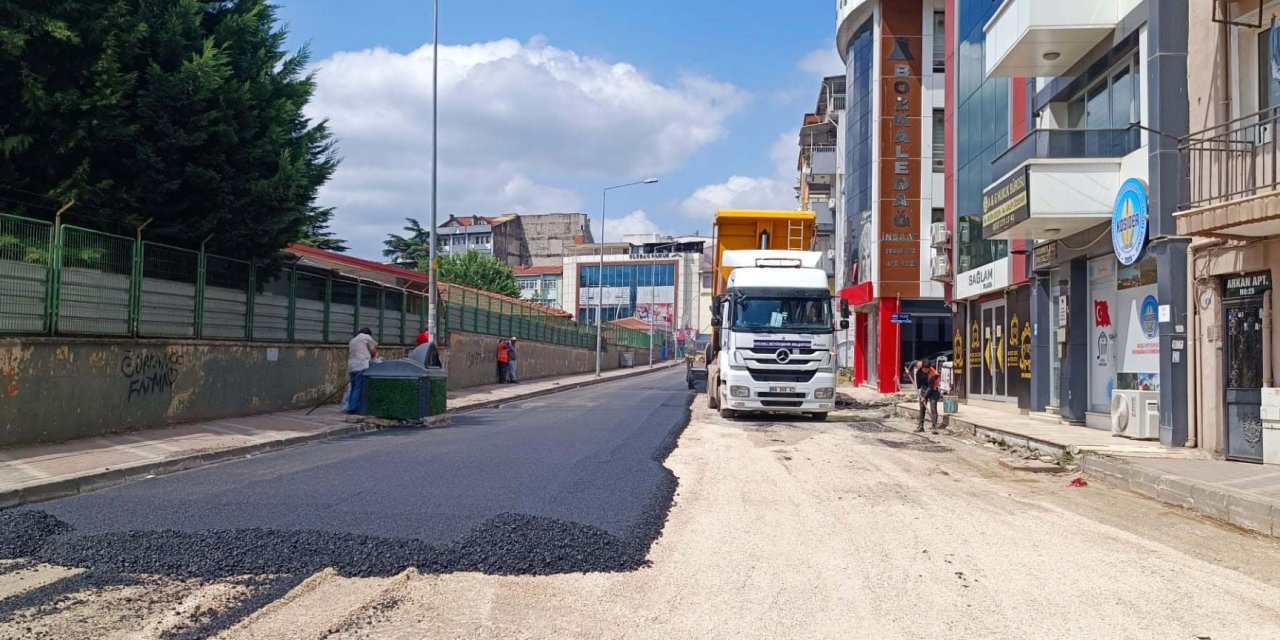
x=744, y=229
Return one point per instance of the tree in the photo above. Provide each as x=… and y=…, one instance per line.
x=188, y=113
x=316, y=233
x=479, y=271
x=412, y=251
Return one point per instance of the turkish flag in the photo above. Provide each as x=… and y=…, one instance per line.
x=1101, y=313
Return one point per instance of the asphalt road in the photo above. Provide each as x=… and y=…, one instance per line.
x=568, y=482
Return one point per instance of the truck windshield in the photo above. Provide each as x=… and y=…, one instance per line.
x=789, y=314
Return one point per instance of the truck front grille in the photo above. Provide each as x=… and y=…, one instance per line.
x=782, y=404
x=774, y=375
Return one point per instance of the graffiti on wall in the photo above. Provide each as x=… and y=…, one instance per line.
x=10, y=359
x=150, y=373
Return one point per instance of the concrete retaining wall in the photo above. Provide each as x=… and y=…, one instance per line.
x=471, y=360
x=56, y=389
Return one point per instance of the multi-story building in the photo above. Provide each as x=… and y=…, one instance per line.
x=647, y=277
x=892, y=182
x=1063, y=179
x=819, y=181
x=540, y=284
x=1231, y=208
x=519, y=240
x=499, y=236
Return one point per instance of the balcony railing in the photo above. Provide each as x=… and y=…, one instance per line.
x=1232, y=160
x=1044, y=144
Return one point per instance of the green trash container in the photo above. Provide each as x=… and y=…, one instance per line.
x=437, y=391
x=396, y=390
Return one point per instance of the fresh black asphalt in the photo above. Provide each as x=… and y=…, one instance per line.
x=562, y=483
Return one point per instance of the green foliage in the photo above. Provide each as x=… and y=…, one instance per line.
x=187, y=112
x=479, y=271
x=316, y=232
x=412, y=251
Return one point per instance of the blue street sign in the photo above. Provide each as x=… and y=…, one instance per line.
x=901, y=318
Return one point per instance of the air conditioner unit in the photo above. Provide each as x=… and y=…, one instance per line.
x=941, y=266
x=941, y=234
x=1135, y=414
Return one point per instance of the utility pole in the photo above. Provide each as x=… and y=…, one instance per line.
x=432, y=293
x=604, y=204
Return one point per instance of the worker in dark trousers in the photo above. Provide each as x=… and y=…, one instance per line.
x=929, y=386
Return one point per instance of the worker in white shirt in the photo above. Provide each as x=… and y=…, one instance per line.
x=360, y=352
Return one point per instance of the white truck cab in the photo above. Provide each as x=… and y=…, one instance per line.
x=777, y=336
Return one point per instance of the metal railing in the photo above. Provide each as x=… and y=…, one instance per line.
x=1232, y=160
x=1067, y=143
x=74, y=281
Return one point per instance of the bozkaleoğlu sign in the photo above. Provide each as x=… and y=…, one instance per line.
x=1129, y=221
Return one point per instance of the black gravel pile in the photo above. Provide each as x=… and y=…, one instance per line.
x=22, y=533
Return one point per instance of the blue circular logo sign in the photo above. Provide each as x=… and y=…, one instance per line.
x=1129, y=221
x=1147, y=315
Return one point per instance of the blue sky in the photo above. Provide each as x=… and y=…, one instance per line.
x=529, y=123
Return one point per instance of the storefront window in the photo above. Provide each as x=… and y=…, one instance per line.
x=1137, y=302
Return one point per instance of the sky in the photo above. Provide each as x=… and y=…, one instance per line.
x=544, y=103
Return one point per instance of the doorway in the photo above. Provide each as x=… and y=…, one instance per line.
x=1242, y=378
x=992, y=383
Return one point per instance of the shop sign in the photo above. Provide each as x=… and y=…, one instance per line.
x=1129, y=221
x=1044, y=256
x=957, y=348
x=1020, y=347
x=984, y=279
x=1006, y=203
x=1248, y=285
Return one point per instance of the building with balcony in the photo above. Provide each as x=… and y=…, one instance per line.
x=820, y=168
x=1230, y=207
x=540, y=284
x=891, y=182
x=537, y=240
x=1070, y=283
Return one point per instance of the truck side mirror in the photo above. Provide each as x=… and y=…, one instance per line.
x=844, y=324
x=844, y=309
x=716, y=321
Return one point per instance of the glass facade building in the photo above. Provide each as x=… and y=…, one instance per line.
x=859, y=119
x=628, y=290
x=982, y=104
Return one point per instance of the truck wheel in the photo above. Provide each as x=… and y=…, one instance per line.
x=819, y=416
x=727, y=413
x=713, y=398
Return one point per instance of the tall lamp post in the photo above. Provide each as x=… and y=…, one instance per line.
x=433, y=295
x=604, y=203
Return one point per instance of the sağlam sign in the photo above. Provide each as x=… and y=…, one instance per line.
x=1129, y=221
x=1006, y=203
x=989, y=277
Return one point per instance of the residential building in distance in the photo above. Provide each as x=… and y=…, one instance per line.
x=893, y=182
x=540, y=284
x=819, y=168
x=498, y=236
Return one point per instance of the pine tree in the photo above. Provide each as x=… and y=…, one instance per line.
x=185, y=112
x=412, y=251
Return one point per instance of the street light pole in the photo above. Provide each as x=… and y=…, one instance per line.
x=432, y=293
x=653, y=293
x=604, y=203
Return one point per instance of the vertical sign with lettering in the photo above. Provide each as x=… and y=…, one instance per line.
x=901, y=145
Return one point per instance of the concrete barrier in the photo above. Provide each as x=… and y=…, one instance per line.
x=58, y=389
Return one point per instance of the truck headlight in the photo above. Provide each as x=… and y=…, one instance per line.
x=825, y=393
x=739, y=391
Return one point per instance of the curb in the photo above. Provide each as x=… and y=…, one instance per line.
x=109, y=477
x=985, y=433
x=1237, y=508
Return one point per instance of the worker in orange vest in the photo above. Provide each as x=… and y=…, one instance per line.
x=504, y=361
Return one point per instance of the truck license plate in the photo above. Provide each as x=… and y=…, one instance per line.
x=782, y=389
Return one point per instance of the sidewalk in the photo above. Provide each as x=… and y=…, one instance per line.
x=1244, y=495
x=43, y=472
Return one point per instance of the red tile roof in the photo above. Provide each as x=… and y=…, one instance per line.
x=539, y=271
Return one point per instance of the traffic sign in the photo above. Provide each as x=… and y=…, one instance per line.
x=901, y=318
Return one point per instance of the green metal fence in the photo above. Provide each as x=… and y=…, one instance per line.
x=74, y=281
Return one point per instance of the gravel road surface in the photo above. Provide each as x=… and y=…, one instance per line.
x=852, y=528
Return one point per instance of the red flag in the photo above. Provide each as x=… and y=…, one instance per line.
x=1101, y=313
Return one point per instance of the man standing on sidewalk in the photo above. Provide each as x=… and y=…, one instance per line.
x=511, y=365
x=360, y=352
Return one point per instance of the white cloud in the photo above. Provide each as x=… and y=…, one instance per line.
x=518, y=122
x=821, y=63
x=617, y=228
x=744, y=192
